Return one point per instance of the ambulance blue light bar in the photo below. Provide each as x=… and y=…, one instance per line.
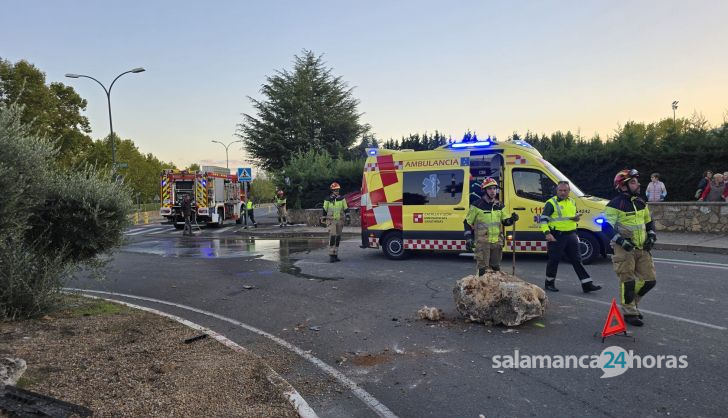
x=599, y=220
x=372, y=152
x=479, y=144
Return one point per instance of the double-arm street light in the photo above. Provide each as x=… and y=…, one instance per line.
x=674, y=108
x=108, y=100
x=227, y=160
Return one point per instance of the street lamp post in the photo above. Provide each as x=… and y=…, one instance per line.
x=674, y=108
x=227, y=160
x=108, y=100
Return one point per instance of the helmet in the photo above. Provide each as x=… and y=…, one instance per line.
x=334, y=186
x=280, y=192
x=624, y=176
x=488, y=182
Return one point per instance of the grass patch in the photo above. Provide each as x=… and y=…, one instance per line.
x=73, y=306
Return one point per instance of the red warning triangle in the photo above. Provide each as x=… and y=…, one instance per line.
x=609, y=327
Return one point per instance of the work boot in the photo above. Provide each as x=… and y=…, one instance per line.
x=551, y=286
x=336, y=258
x=255, y=225
x=633, y=320
x=332, y=259
x=481, y=271
x=589, y=287
x=280, y=226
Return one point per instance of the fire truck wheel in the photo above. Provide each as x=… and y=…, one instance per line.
x=588, y=247
x=393, y=246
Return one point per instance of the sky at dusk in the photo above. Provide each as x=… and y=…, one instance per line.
x=416, y=66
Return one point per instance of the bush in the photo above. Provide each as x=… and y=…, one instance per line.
x=311, y=173
x=51, y=222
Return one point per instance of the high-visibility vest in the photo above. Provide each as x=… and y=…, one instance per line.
x=249, y=205
x=280, y=202
x=491, y=220
x=335, y=207
x=560, y=219
x=630, y=225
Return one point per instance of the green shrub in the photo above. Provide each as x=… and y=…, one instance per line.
x=51, y=221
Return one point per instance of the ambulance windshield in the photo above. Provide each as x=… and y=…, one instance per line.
x=559, y=175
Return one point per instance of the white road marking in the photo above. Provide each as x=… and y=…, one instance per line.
x=168, y=229
x=692, y=263
x=359, y=392
x=143, y=231
x=295, y=398
x=220, y=230
x=676, y=318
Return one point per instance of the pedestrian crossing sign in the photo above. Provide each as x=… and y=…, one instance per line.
x=245, y=174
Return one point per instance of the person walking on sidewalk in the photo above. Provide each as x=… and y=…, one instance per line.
x=558, y=222
x=486, y=215
x=281, y=207
x=335, y=208
x=655, y=190
x=248, y=213
x=629, y=226
x=187, y=214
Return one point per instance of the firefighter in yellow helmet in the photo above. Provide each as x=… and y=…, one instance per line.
x=485, y=217
x=335, y=209
x=558, y=223
x=632, y=232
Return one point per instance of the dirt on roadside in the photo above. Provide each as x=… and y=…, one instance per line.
x=118, y=361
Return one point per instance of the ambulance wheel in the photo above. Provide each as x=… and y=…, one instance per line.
x=588, y=247
x=393, y=246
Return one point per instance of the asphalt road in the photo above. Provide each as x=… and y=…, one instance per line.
x=362, y=351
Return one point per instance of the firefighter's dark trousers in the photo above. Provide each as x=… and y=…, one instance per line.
x=248, y=213
x=566, y=243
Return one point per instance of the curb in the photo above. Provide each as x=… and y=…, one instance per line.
x=294, y=398
x=690, y=248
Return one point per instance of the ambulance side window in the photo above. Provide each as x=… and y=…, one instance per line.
x=533, y=184
x=441, y=187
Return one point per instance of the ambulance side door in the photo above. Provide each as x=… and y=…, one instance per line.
x=530, y=189
x=435, y=203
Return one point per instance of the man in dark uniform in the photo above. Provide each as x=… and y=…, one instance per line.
x=558, y=222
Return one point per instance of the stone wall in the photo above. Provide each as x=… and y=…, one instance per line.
x=710, y=217
x=311, y=217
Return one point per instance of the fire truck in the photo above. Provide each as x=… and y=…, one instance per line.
x=217, y=196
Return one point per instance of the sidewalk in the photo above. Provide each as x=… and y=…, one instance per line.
x=674, y=241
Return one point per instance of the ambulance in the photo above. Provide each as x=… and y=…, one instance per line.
x=418, y=200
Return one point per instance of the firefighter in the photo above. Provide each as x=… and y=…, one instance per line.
x=248, y=213
x=335, y=208
x=558, y=223
x=486, y=215
x=187, y=214
x=632, y=232
x=281, y=206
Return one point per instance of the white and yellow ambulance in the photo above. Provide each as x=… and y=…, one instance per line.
x=417, y=200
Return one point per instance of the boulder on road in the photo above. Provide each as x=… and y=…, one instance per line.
x=499, y=298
